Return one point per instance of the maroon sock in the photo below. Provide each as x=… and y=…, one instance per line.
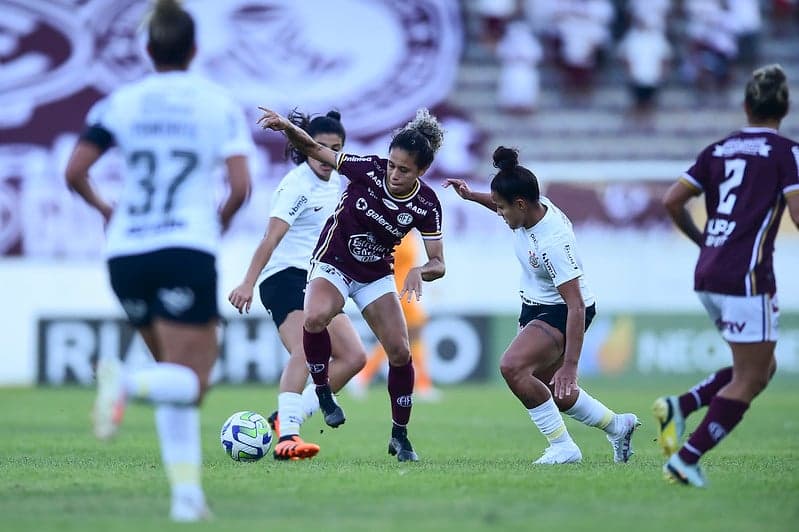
x=701, y=394
x=722, y=416
x=400, y=389
x=317, y=354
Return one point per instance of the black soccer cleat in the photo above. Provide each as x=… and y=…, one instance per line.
x=334, y=415
x=400, y=446
x=274, y=423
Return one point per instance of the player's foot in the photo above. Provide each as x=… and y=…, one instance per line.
x=274, y=423
x=188, y=510
x=622, y=441
x=561, y=453
x=109, y=406
x=334, y=415
x=292, y=447
x=671, y=423
x=400, y=446
x=677, y=471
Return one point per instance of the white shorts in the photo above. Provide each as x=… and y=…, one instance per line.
x=361, y=293
x=743, y=319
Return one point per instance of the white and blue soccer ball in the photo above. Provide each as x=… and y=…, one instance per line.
x=246, y=436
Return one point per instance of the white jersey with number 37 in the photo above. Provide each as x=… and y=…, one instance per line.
x=547, y=253
x=173, y=129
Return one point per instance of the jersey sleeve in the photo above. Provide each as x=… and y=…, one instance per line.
x=360, y=169
x=698, y=176
x=430, y=226
x=101, y=123
x=789, y=181
x=237, y=139
x=560, y=263
x=288, y=202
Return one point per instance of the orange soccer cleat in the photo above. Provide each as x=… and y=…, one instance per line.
x=294, y=448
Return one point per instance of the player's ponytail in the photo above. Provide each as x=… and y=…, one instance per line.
x=422, y=137
x=170, y=32
x=767, y=93
x=513, y=180
x=330, y=123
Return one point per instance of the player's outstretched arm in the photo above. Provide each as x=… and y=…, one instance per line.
x=83, y=157
x=462, y=189
x=297, y=136
x=793, y=208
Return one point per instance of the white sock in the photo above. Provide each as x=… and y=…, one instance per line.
x=163, y=382
x=310, y=402
x=547, y=418
x=593, y=413
x=179, y=433
x=289, y=412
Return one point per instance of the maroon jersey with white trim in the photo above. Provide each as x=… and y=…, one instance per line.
x=745, y=178
x=360, y=236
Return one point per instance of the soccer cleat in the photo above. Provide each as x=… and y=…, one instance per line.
x=294, y=448
x=186, y=510
x=675, y=470
x=401, y=448
x=622, y=442
x=334, y=415
x=274, y=423
x=109, y=406
x=561, y=453
x=671, y=423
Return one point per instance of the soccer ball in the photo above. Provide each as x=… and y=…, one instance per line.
x=246, y=436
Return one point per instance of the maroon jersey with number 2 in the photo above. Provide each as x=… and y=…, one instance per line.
x=745, y=178
x=359, y=238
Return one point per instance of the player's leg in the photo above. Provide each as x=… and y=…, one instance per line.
x=324, y=300
x=384, y=316
x=416, y=319
x=289, y=417
x=536, y=347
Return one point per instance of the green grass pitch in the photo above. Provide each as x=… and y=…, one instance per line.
x=477, y=446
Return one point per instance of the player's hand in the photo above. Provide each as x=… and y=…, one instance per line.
x=565, y=380
x=412, y=285
x=241, y=297
x=459, y=186
x=272, y=120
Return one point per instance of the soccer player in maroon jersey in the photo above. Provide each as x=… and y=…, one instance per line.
x=384, y=200
x=747, y=179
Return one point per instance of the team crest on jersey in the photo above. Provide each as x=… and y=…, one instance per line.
x=534, y=262
x=390, y=204
x=404, y=218
x=361, y=204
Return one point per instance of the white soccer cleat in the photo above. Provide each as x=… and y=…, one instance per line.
x=561, y=453
x=189, y=510
x=677, y=471
x=109, y=406
x=622, y=442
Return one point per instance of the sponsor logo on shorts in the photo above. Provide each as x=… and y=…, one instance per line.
x=731, y=326
x=405, y=401
x=176, y=300
x=334, y=272
x=404, y=218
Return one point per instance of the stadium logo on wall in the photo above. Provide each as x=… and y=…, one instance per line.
x=311, y=63
x=45, y=55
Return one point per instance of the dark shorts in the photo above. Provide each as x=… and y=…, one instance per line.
x=554, y=315
x=283, y=293
x=176, y=284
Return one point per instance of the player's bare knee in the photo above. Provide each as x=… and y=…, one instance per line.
x=315, y=321
x=398, y=354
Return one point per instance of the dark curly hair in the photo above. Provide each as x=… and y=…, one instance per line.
x=421, y=137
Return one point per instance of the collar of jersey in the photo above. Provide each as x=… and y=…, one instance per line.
x=752, y=129
x=408, y=196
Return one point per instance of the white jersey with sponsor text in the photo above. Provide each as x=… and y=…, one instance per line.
x=547, y=253
x=174, y=129
x=305, y=202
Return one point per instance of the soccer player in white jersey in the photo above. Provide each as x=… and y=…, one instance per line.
x=747, y=179
x=173, y=129
x=305, y=198
x=540, y=364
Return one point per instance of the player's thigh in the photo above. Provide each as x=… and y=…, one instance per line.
x=385, y=318
x=537, y=347
x=324, y=296
x=753, y=362
x=147, y=333
x=345, y=341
